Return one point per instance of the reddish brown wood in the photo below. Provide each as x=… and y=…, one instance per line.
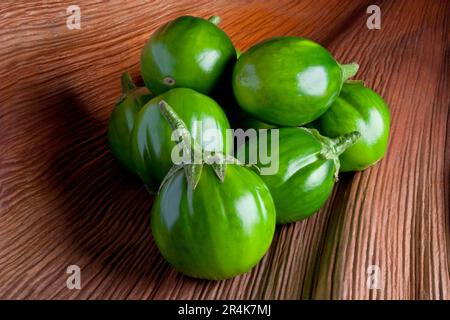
x=64, y=200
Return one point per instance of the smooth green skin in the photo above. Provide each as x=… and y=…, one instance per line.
x=358, y=108
x=121, y=124
x=304, y=179
x=152, y=146
x=286, y=81
x=218, y=230
x=192, y=51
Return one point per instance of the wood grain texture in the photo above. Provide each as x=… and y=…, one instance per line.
x=64, y=200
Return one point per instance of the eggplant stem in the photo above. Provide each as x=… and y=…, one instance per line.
x=214, y=19
x=345, y=141
x=193, y=152
x=126, y=82
x=188, y=143
x=333, y=148
x=348, y=70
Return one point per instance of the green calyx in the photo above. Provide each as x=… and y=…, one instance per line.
x=194, y=158
x=348, y=70
x=332, y=148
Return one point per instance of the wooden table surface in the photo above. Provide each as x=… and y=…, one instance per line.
x=65, y=201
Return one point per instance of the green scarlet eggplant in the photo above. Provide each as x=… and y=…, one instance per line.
x=152, y=144
x=122, y=120
x=211, y=221
x=308, y=164
x=187, y=52
x=358, y=108
x=288, y=81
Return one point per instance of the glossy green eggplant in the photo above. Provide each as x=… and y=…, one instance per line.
x=218, y=230
x=151, y=138
x=122, y=120
x=215, y=226
x=187, y=52
x=358, y=108
x=288, y=81
x=307, y=164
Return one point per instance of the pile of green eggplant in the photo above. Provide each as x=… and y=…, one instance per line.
x=214, y=214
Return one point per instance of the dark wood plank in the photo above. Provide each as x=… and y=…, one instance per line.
x=64, y=200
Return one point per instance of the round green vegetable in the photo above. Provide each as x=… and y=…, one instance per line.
x=212, y=221
x=308, y=164
x=152, y=145
x=122, y=119
x=187, y=52
x=358, y=108
x=288, y=81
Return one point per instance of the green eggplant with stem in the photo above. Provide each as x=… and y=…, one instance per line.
x=288, y=81
x=362, y=109
x=212, y=218
x=305, y=166
x=122, y=119
x=152, y=141
x=188, y=52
